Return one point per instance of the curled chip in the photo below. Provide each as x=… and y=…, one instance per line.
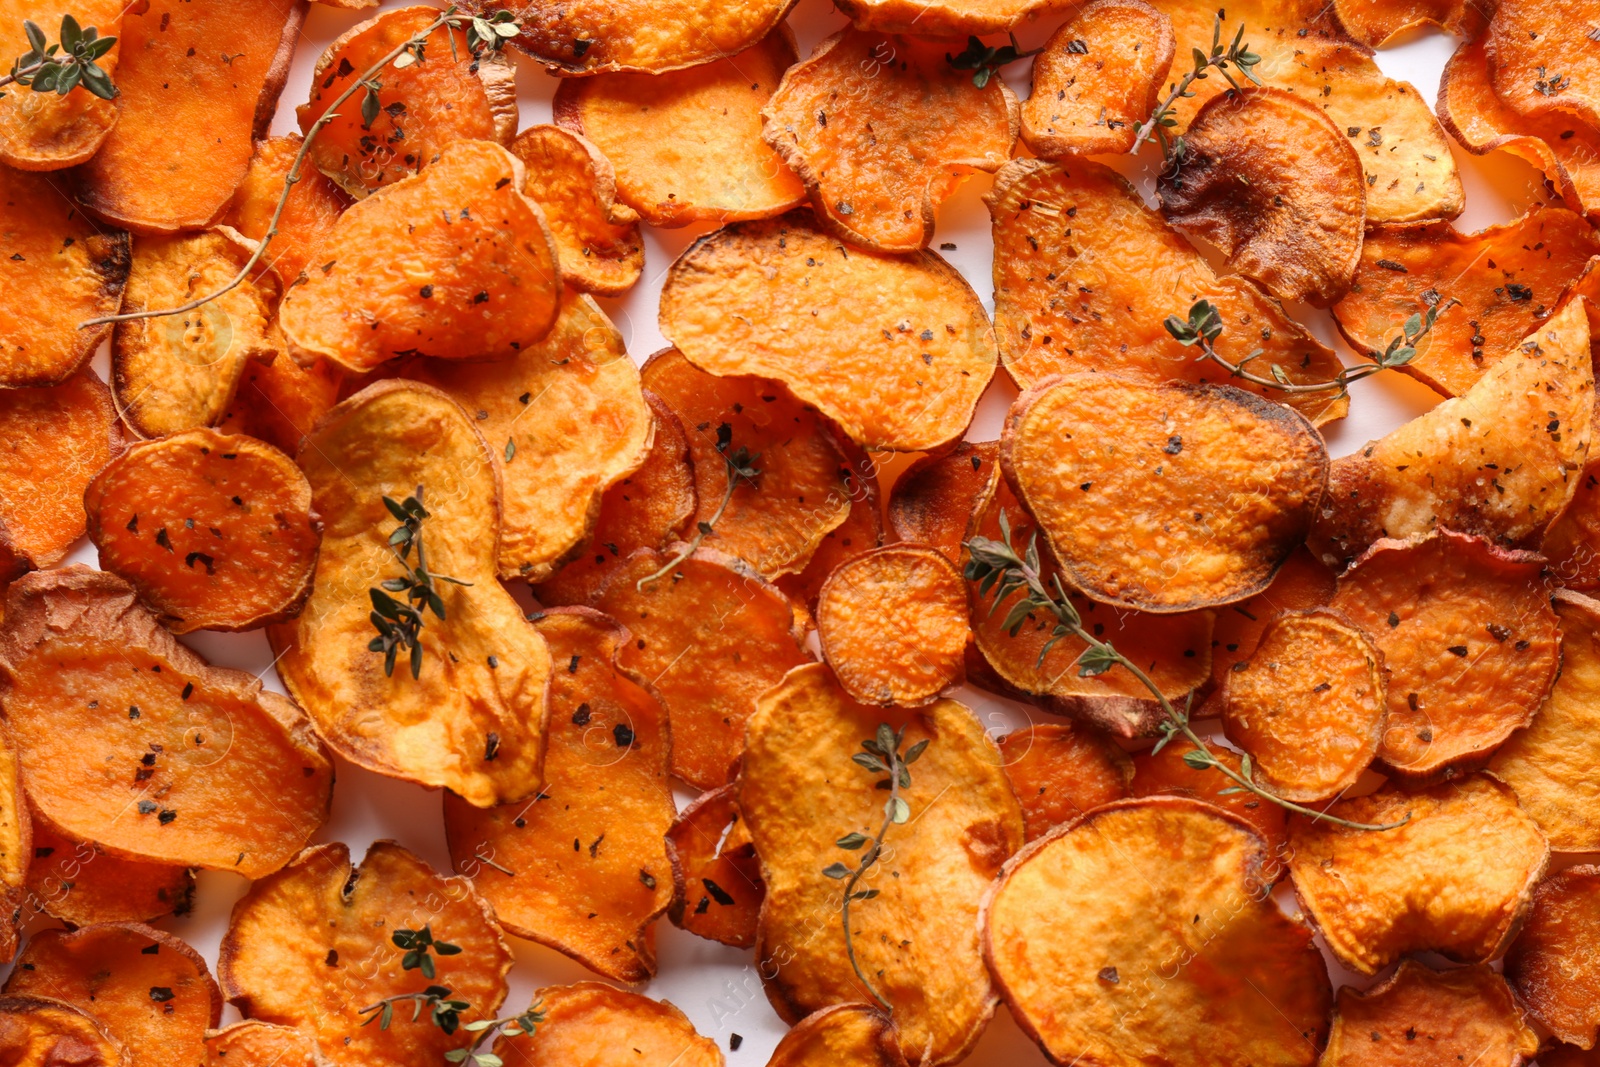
x=1553, y=964
x=585, y=1017
x=710, y=636
x=281, y=401
x=1097, y=79
x=582, y=867
x=1222, y=484
x=1499, y=461
x=179, y=372
x=845, y=1033
x=882, y=130
x=150, y=991
x=1542, y=57
x=597, y=240
x=1375, y=22
x=422, y=108
x=775, y=521
x=1301, y=584
x=1172, y=944
x=215, y=69
x=480, y=277
x=799, y=745
x=313, y=207
x=257, y=1044
x=564, y=421
x=40, y=1032
x=130, y=740
x=715, y=166
x=80, y=883
x=1269, y=180
x=945, y=17
x=313, y=944
x=1068, y=296
x=933, y=500
x=860, y=532
x=1059, y=771
x=1407, y=269
x=1455, y=878
x=18, y=831
x=1466, y=1015
x=781, y=299
x=234, y=510
x=1469, y=642
x=716, y=880
x=1167, y=773
x=45, y=130
x=1308, y=705
x=472, y=720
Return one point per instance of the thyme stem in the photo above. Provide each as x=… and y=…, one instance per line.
x=868, y=860
x=741, y=468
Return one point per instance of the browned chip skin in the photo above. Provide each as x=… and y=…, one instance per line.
x=313, y=207
x=1166, y=773
x=587, y=1019
x=854, y=1034
x=281, y=401
x=45, y=130
x=717, y=886
x=1059, y=771
x=40, y=1032
x=1418, y=1016
x=1553, y=965
x=597, y=240
x=933, y=500
x=1376, y=22
x=80, y=883
x=257, y=1044
x=1301, y=584
x=1542, y=57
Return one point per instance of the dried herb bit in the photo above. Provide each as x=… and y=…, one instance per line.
x=61, y=67
x=399, y=623
x=985, y=62
x=741, y=468
x=1236, y=55
x=1550, y=84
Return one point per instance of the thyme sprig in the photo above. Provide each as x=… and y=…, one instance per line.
x=985, y=61
x=399, y=623
x=741, y=469
x=63, y=66
x=997, y=567
x=1236, y=55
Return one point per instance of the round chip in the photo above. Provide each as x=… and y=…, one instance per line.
x=1060, y=771
x=49, y=131
x=1461, y=1016
x=1168, y=773
x=597, y=240
x=79, y=883
x=846, y=1033
x=717, y=886
x=1554, y=964
x=314, y=205
x=39, y=1032
x=1542, y=57
x=583, y=1018
x=257, y=1044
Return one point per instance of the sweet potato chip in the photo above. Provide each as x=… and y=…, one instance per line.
x=799, y=746
x=605, y=790
x=1543, y=59
x=197, y=86
x=564, y=421
x=1500, y=461
x=179, y=372
x=258, y=1044
x=1553, y=964
x=48, y=131
x=1166, y=773
x=39, y=1032
x=1455, y=878
x=1301, y=584
x=1085, y=274
x=935, y=17
x=714, y=166
x=313, y=207
x=882, y=130
x=281, y=401
x=311, y=945
x=1223, y=484
x=716, y=886
x=860, y=532
x=1376, y=22
x=893, y=625
x=236, y=511
x=130, y=740
x=80, y=883
x=473, y=721
x=150, y=991
x=17, y=834
x=476, y=276
x=597, y=240
x=776, y=522
x=1420, y=1015
x=933, y=500
x=1059, y=771
x=1569, y=1056
x=1163, y=885
x=588, y=1019
x=710, y=637
x=781, y=299
x=845, y=1033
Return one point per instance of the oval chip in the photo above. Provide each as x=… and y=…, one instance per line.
x=257, y=1044
x=597, y=240
x=1553, y=964
x=1166, y=772
x=716, y=881
x=313, y=206
x=856, y=1034
x=40, y=1032
x=45, y=130
x=1060, y=771
x=1466, y=1015
x=585, y=1017
x=80, y=883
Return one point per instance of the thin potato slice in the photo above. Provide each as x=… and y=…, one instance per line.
x=39, y=1032
x=1166, y=773
x=911, y=128
x=478, y=277
x=1553, y=965
x=48, y=131
x=1542, y=57
x=933, y=500
x=281, y=401
x=313, y=207
x=860, y=532
x=473, y=721
x=935, y=17
x=582, y=1019
x=1222, y=484
x=1374, y=23
x=597, y=240
x=1461, y=1016
x=715, y=166
x=1301, y=584
x=605, y=790
x=783, y=300
x=258, y=1044
x=1163, y=885
x=564, y=420
x=310, y=946
x=18, y=830
x=80, y=883
x=197, y=86
x=1085, y=274
x=130, y=740
x=846, y=1033
x=799, y=746
x=1456, y=878
x=1060, y=771
x=716, y=884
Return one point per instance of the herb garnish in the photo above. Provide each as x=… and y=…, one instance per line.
x=399, y=624
x=741, y=468
x=1550, y=84
x=63, y=66
x=985, y=62
x=1237, y=54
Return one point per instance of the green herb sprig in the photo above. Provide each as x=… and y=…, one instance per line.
x=399, y=622
x=741, y=469
x=984, y=61
x=1236, y=55
x=63, y=66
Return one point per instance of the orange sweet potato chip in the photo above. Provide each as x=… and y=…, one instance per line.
x=1456, y=878
x=585, y=1017
x=1553, y=965
x=215, y=771
x=714, y=166
x=17, y=834
x=845, y=1033
x=933, y=500
x=716, y=883
x=883, y=129
x=1376, y=22
x=1172, y=943
x=1165, y=773
x=313, y=207
x=1059, y=771
x=197, y=85
x=1301, y=584
x=257, y=1044
x=781, y=299
x=310, y=946
x=860, y=532
x=1466, y=1015
x=1542, y=57
x=48, y=131
x=1569, y=1056
x=480, y=276
x=946, y=16
x=80, y=883
x=39, y=1032
x=597, y=240
x=281, y=401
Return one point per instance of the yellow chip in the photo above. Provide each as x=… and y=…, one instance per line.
x=1461, y=1016
x=1542, y=57
x=48, y=131
x=716, y=880
x=1060, y=771
x=597, y=240
x=258, y=1044
x=39, y=1032
x=845, y=1033
x=1553, y=965
x=582, y=1019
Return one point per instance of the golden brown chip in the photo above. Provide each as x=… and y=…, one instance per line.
x=80, y=883
x=313, y=207
x=564, y=420
x=798, y=746
x=454, y=263
x=39, y=1032
x=311, y=945
x=582, y=1019
x=1375, y=22
x=605, y=791
x=882, y=130
x=45, y=130
x=716, y=885
x=1085, y=274
x=933, y=17
x=130, y=740
x=1167, y=773
x=1553, y=964
x=1170, y=946
x=150, y=991
x=281, y=401
x=473, y=721
x=1301, y=584
x=597, y=240
x=1454, y=879
x=933, y=500
x=1500, y=461
x=783, y=300
x=1059, y=771
x=258, y=1044
x=18, y=831
x=1542, y=57
x=197, y=86
x=846, y=1033
x=1418, y=1015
